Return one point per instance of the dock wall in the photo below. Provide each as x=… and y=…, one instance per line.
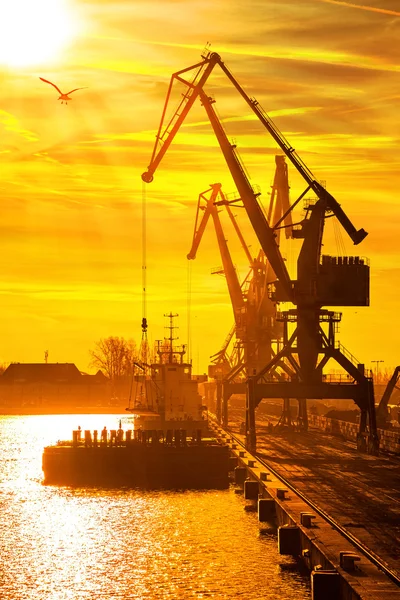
x=303, y=533
x=389, y=440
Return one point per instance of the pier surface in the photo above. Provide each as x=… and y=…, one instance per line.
x=359, y=491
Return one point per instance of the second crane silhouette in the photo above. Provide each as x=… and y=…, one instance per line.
x=63, y=97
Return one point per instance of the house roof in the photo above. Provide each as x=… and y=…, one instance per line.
x=41, y=372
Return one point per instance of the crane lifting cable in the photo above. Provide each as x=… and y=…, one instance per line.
x=142, y=365
x=188, y=309
x=144, y=264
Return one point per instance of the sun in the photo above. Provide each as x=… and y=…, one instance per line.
x=34, y=32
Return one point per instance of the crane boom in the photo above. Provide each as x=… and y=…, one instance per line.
x=166, y=134
x=264, y=232
x=238, y=232
x=234, y=287
x=199, y=230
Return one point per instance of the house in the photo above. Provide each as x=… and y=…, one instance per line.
x=43, y=388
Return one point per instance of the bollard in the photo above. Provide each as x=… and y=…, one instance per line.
x=306, y=519
x=240, y=475
x=266, y=509
x=251, y=463
x=347, y=560
x=232, y=463
x=251, y=489
x=281, y=493
x=289, y=540
x=264, y=476
x=242, y=453
x=325, y=585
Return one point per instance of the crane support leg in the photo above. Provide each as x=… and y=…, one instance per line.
x=373, y=440
x=286, y=416
x=251, y=440
x=302, y=414
x=218, y=409
x=224, y=411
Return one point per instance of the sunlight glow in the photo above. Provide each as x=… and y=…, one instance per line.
x=33, y=32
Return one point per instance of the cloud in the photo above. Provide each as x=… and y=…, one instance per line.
x=383, y=11
x=11, y=124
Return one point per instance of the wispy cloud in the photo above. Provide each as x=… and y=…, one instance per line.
x=383, y=11
x=12, y=124
x=291, y=52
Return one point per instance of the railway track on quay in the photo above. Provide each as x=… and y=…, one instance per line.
x=357, y=494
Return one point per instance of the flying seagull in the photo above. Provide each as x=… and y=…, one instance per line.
x=63, y=97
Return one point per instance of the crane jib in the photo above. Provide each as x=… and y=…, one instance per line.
x=167, y=133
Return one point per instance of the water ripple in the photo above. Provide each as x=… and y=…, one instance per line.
x=59, y=543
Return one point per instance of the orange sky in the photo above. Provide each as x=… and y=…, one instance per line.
x=327, y=72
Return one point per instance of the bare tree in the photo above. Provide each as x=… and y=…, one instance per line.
x=114, y=356
x=3, y=367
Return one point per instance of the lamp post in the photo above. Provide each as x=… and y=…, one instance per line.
x=377, y=368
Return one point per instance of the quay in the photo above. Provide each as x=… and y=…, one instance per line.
x=341, y=567
x=135, y=458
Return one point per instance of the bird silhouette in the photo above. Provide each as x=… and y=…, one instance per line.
x=63, y=97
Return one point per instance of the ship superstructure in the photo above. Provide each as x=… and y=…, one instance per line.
x=172, y=396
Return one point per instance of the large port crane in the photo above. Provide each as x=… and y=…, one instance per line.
x=256, y=328
x=321, y=280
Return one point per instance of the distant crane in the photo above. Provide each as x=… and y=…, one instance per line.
x=63, y=97
x=256, y=328
x=382, y=412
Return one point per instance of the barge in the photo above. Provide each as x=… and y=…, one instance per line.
x=169, y=446
x=145, y=459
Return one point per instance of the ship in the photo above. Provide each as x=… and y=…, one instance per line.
x=165, y=394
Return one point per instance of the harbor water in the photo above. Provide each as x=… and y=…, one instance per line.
x=59, y=543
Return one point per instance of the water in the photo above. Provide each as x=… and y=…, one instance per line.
x=59, y=543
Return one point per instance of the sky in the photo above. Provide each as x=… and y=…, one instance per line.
x=326, y=71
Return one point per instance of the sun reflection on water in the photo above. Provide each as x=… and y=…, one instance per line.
x=64, y=543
